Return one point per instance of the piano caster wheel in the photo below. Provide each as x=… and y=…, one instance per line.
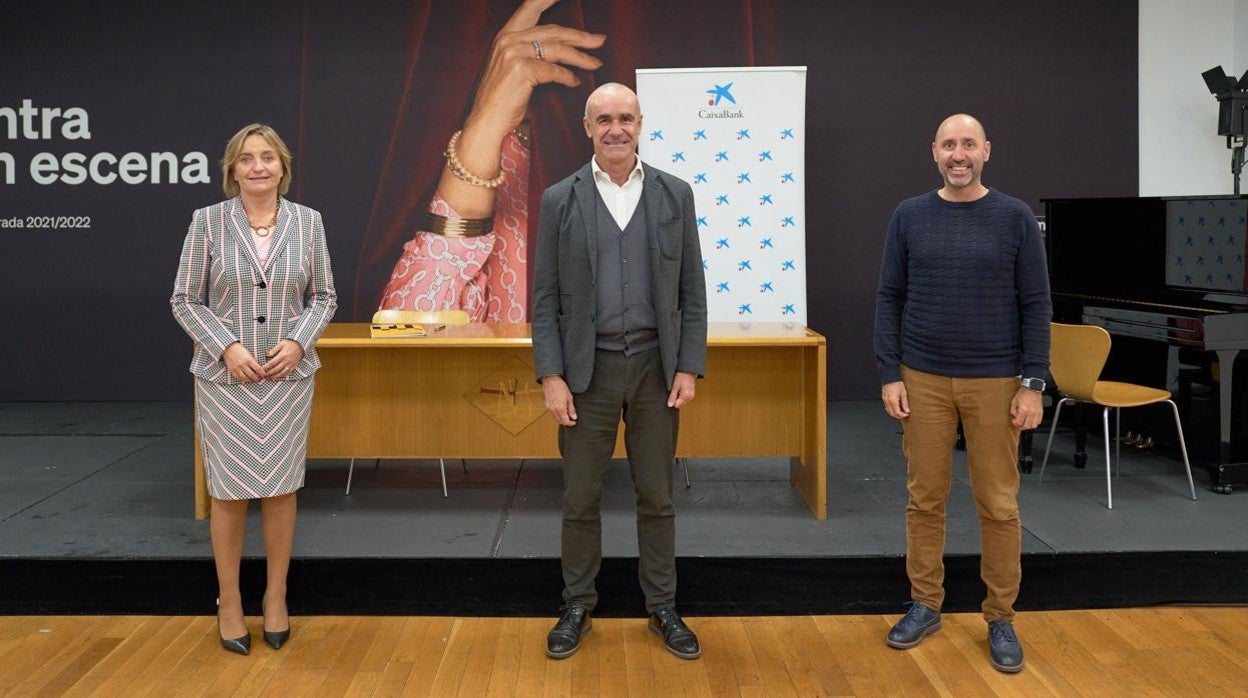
x=1025, y=464
x=1081, y=460
x=1221, y=489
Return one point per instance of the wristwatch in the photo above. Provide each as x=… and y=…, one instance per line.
x=1036, y=384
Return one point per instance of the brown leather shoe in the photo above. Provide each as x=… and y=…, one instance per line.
x=677, y=637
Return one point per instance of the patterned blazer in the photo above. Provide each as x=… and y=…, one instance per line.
x=222, y=295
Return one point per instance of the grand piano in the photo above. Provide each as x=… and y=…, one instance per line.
x=1167, y=278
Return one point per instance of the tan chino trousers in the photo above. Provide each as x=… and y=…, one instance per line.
x=983, y=404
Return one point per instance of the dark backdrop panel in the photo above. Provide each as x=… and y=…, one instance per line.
x=367, y=93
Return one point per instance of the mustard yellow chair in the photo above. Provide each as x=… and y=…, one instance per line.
x=1077, y=353
x=417, y=317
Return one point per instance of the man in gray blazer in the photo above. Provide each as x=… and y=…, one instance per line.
x=619, y=329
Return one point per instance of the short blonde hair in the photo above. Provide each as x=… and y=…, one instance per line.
x=234, y=148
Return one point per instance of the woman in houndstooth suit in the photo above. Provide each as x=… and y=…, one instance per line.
x=254, y=291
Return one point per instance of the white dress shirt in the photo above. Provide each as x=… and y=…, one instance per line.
x=621, y=201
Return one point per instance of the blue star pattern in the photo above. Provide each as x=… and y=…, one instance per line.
x=721, y=92
x=1205, y=242
x=656, y=135
x=745, y=255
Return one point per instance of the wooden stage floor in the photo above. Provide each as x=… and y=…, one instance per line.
x=1174, y=651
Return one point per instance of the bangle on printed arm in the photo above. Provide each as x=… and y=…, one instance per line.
x=458, y=227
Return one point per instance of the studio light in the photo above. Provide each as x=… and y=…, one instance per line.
x=1232, y=96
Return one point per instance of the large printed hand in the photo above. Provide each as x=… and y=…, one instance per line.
x=512, y=70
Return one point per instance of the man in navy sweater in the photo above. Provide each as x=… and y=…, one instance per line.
x=962, y=332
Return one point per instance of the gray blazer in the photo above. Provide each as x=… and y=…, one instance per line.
x=565, y=269
x=221, y=292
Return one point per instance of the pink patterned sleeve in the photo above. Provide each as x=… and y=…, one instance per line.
x=485, y=275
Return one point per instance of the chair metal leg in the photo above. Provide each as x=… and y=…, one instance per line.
x=1117, y=439
x=1109, y=483
x=442, y=466
x=351, y=469
x=1057, y=412
x=685, y=463
x=1183, y=447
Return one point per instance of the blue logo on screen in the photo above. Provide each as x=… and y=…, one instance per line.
x=720, y=92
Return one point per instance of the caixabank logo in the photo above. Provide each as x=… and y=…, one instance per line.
x=717, y=104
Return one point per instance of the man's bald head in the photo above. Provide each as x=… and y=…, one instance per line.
x=963, y=120
x=611, y=89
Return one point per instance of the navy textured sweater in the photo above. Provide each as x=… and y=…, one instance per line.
x=964, y=290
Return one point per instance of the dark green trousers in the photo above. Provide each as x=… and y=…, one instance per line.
x=632, y=387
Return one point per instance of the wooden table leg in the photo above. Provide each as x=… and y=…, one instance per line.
x=809, y=472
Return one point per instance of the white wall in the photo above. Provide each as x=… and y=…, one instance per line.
x=1180, y=151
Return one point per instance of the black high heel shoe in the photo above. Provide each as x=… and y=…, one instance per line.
x=276, y=638
x=239, y=645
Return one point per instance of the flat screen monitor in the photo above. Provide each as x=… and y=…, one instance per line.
x=1207, y=243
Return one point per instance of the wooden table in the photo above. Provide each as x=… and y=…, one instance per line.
x=469, y=392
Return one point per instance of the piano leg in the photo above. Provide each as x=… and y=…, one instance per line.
x=1226, y=402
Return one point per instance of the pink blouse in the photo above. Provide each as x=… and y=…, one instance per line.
x=485, y=275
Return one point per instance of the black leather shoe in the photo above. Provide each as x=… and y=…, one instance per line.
x=677, y=637
x=1005, y=652
x=564, y=639
x=239, y=645
x=919, y=622
x=276, y=638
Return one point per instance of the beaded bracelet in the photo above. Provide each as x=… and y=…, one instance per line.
x=457, y=168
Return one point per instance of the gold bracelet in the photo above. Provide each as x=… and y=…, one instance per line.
x=458, y=227
x=458, y=169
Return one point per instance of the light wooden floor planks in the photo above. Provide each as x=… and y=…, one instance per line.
x=1172, y=651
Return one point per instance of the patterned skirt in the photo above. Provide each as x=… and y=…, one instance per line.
x=254, y=436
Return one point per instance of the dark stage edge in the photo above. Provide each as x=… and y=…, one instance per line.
x=530, y=587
